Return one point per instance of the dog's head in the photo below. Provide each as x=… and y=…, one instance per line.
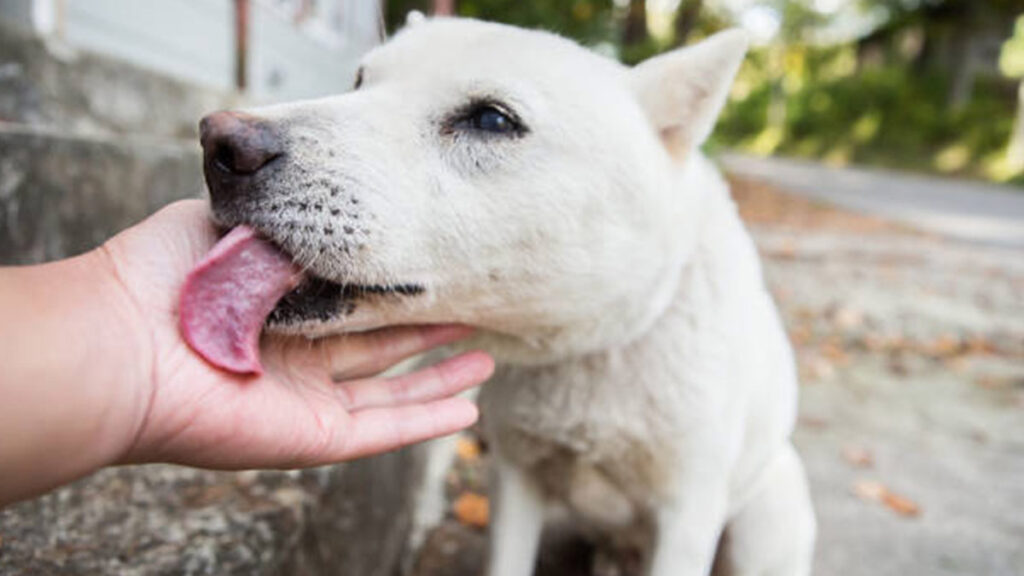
x=484, y=174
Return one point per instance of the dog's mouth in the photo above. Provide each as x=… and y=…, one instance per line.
x=246, y=283
x=319, y=300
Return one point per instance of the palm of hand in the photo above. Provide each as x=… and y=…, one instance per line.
x=317, y=401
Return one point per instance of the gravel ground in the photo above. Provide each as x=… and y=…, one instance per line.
x=911, y=354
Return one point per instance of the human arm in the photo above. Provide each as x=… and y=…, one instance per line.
x=93, y=372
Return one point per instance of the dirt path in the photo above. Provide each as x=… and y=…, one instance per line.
x=911, y=352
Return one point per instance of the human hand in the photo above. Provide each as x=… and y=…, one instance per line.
x=295, y=414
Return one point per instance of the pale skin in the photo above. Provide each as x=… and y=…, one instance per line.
x=93, y=373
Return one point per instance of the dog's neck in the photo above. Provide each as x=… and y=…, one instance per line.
x=717, y=260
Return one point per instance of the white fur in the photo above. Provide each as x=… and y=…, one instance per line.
x=644, y=373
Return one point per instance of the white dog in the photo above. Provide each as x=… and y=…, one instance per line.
x=511, y=180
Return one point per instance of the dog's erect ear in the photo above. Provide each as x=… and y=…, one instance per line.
x=683, y=91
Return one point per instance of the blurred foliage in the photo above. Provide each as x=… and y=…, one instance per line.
x=883, y=116
x=902, y=96
x=864, y=100
x=1011, y=59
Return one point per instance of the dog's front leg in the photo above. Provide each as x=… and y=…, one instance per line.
x=517, y=523
x=689, y=527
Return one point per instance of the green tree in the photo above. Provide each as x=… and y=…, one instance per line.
x=634, y=31
x=952, y=33
x=1012, y=62
x=786, y=58
x=687, y=16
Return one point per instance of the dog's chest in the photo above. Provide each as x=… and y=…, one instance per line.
x=549, y=418
x=615, y=417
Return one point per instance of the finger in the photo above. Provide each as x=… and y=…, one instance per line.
x=371, y=353
x=440, y=381
x=350, y=356
x=383, y=429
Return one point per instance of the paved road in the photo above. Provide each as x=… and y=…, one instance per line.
x=967, y=210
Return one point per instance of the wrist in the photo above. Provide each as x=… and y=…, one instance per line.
x=73, y=341
x=128, y=364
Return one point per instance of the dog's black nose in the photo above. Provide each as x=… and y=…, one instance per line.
x=235, y=147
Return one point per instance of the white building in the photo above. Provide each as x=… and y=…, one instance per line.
x=294, y=49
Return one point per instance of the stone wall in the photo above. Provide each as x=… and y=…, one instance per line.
x=61, y=195
x=88, y=145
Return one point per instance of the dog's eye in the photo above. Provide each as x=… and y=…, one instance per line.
x=487, y=118
x=490, y=119
x=359, y=79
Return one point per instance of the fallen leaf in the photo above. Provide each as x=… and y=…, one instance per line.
x=472, y=510
x=801, y=335
x=822, y=369
x=873, y=491
x=834, y=353
x=869, y=490
x=981, y=345
x=944, y=346
x=901, y=504
x=848, y=318
x=858, y=457
x=467, y=449
x=956, y=364
x=805, y=314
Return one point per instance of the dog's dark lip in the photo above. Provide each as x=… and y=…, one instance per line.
x=321, y=300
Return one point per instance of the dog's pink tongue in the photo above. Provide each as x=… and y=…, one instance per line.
x=228, y=296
